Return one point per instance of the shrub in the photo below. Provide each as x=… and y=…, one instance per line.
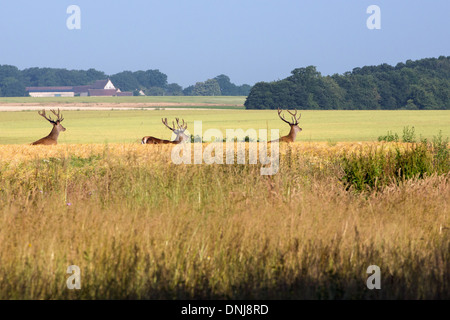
x=378, y=168
x=441, y=153
x=389, y=137
x=409, y=134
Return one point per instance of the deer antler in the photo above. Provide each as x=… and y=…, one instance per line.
x=164, y=121
x=181, y=127
x=42, y=114
x=58, y=115
x=59, y=118
x=294, y=117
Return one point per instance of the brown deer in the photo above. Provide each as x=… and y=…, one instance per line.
x=179, y=132
x=294, y=126
x=52, y=138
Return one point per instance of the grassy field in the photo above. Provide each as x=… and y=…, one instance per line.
x=140, y=227
x=130, y=126
x=226, y=100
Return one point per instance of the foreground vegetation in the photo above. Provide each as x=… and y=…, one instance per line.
x=140, y=227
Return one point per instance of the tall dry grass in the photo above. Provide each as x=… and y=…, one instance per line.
x=140, y=227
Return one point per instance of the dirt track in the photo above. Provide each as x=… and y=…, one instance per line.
x=106, y=106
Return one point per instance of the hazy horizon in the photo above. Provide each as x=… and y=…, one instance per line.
x=247, y=40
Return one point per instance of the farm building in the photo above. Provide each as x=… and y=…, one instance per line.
x=98, y=88
x=50, y=91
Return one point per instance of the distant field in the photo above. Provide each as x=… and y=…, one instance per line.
x=130, y=126
x=225, y=100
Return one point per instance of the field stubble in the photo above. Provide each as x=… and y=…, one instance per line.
x=140, y=227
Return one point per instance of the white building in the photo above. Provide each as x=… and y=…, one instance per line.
x=98, y=88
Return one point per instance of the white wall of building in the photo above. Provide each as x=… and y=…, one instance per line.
x=51, y=94
x=109, y=85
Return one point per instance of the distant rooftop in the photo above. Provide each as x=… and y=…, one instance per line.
x=99, y=84
x=47, y=89
x=98, y=88
x=102, y=92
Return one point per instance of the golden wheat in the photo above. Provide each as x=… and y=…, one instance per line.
x=140, y=227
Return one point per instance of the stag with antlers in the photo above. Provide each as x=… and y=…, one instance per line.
x=52, y=138
x=179, y=131
x=293, y=124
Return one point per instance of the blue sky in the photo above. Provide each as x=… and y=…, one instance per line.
x=248, y=40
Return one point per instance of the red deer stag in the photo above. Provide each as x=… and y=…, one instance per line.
x=179, y=132
x=52, y=138
x=294, y=127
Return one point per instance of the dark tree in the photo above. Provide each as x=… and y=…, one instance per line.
x=174, y=89
x=421, y=84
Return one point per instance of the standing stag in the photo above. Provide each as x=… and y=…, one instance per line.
x=179, y=132
x=294, y=126
x=52, y=138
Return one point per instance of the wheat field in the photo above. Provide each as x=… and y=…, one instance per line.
x=140, y=227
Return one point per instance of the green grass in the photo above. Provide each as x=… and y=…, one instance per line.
x=376, y=168
x=130, y=126
x=228, y=100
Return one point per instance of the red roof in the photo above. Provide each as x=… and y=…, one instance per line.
x=124, y=94
x=49, y=89
x=102, y=92
x=99, y=84
x=79, y=89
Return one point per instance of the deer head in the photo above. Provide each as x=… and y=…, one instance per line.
x=179, y=130
x=56, y=123
x=293, y=124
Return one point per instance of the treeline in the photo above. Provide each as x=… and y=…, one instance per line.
x=220, y=85
x=415, y=85
x=151, y=82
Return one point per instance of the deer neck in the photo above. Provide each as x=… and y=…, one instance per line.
x=54, y=133
x=292, y=134
x=180, y=137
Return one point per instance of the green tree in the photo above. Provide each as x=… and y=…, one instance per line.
x=125, y=81
x=227, y=88
x=410, y=105
x=188, y=91
x=155, y=91
x=425, y=82
x=151, y=78
x=174, y=89
x=260, y=97
x=208, y=88
x=12, y=87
